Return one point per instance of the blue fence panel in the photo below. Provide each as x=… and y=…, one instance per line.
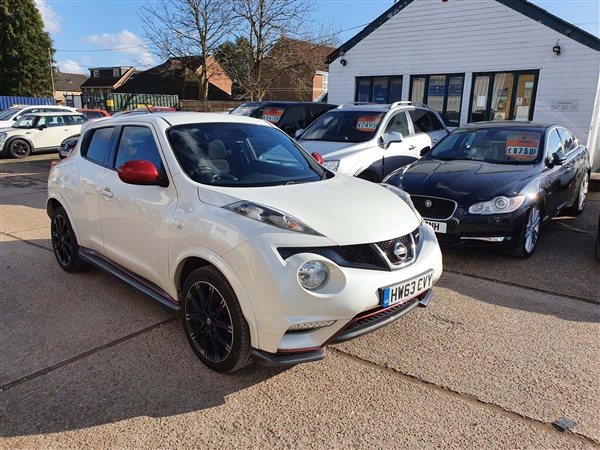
x=7, y=102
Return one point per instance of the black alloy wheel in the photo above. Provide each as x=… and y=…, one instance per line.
x=213, y=321
x=64, y=242
x=19, y=149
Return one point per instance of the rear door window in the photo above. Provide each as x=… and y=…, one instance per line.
x=421, y=121
x=98, y=146
x=437, y=124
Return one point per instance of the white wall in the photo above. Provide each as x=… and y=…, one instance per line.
x=467, y=36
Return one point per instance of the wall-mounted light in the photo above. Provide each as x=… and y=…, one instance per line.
x=343, y=62
x=556, y=49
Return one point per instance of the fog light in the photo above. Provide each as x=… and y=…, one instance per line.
x=311, y=325
x=313, y=275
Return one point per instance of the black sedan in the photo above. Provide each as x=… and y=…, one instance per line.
x=498, y=182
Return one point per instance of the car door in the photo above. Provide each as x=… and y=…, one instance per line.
x=427, y=128
x=398, y=154
x=575, y=167
x=555, y=180
x=95, y=149
x=135, y=218
x=53, y=134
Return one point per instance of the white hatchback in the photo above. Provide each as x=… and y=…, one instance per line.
x=371, y=140
x=228, y=223
x=10, y=115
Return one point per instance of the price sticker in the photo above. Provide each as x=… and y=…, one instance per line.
x=522, y=146
x=368, y=124
x=272, y=115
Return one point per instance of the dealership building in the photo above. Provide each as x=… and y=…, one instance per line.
x=476, y=60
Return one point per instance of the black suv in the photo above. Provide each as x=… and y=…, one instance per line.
x=289, y=116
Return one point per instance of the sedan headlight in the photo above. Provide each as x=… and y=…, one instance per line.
x=404, y=196
x=331, y=165
x=271, y=216
x=3, y=137
x=498, y=205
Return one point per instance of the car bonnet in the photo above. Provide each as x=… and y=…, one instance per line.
x=344, y=209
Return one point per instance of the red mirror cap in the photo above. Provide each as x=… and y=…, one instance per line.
x=138, y=171
x=318, y=157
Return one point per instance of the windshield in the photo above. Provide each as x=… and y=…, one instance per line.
x=26, y=121
x=8, y=113
x=269, y=112
x=344, y=126
x=241, y=155
x=493, y=145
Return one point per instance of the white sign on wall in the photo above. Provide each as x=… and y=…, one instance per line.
x=564, y=105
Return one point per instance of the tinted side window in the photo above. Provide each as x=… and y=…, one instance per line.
x=54, y=121
x=420, y=121
x=99, y=145
x=295, y=120
x=568, y=139
x=554, y=143
x=437, y=124
x=73, y=120
x=137, y=143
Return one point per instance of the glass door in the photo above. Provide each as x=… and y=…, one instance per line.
x=522, y=109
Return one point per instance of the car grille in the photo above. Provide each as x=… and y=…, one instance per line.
x=433, y=207
x=377, y=256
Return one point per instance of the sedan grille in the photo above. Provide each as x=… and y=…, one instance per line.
x=433, y=207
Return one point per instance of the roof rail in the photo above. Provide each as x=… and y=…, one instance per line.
x=356, y=104
x=406, y=102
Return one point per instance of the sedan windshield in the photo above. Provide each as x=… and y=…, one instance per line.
x=344, y=126
x=493, y=145
x=241, y=155
x=8, y=113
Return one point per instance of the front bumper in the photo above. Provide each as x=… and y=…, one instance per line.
x=473, y=229
x=351, y=298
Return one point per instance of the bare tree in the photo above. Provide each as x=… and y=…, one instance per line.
x=189, y=31
x=272, y=30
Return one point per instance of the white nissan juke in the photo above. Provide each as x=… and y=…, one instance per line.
x=227, y=222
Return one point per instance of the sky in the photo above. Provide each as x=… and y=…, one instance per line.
x=87, y=32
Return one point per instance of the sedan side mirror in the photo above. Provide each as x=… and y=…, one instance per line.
x=298, y=133
x=390, y=138
x=558, y=158
x=139, y=171
x=424, y=151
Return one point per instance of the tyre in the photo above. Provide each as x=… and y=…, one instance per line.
x=213, y=321
x=577, y=207
x=64, y=243
x=19, y=149
x=527, y=241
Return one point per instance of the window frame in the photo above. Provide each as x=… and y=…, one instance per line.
x=371, y=80
x=513, y=97
x=444, y=113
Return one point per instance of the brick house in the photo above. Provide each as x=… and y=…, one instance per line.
x=67, y=88
x=103, y=80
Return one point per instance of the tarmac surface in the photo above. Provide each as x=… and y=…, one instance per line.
x=505, y=348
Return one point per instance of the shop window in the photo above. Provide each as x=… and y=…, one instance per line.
x=442, y=93
x=503, y=96
x=378, y=89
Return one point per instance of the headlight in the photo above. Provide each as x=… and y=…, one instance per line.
x=271, y=216
x=404, y=196
x=313, y=275
x=3, y=137
x=498, y=205
x=331, y=165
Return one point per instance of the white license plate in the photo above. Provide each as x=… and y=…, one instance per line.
x=407, y=289
x=438, y=227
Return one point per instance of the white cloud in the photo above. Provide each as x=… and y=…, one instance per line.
x=50, y=18
x=69, y=66
x=125, y=41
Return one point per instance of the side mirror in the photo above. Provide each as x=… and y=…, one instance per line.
x=42, y=127
x=558, y=158
x=139, y=171
x=390, y=138
x=318, y=157
x=298, y=133
x=424, y=151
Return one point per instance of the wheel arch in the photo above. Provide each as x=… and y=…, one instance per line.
x=56, y=201
x=196, y=258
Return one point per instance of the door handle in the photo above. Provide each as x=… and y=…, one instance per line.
x=412, y=147
x=106, y=192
